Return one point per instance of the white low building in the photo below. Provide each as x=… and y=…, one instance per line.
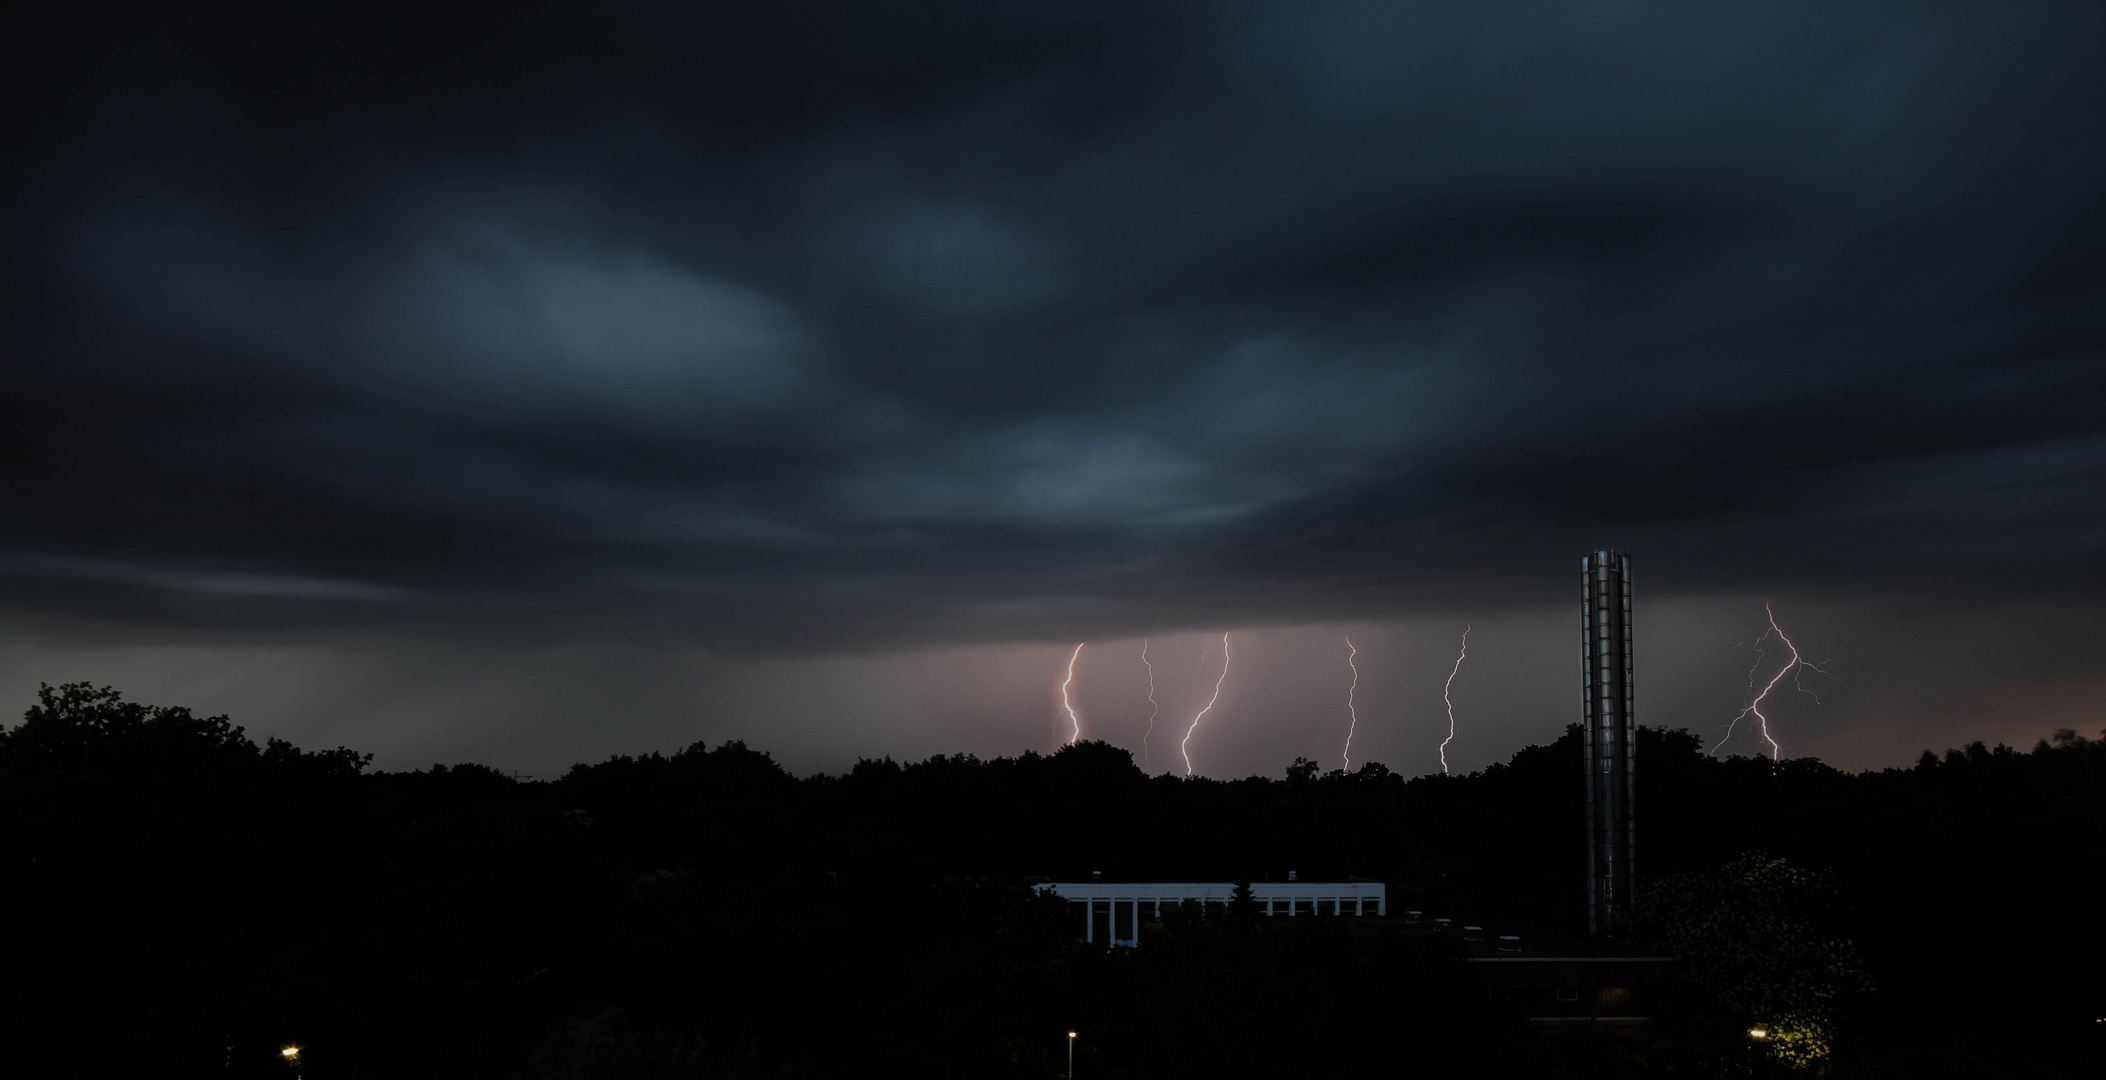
x=1115, y=911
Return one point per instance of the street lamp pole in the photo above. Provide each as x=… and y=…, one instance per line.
x=1071, y=1055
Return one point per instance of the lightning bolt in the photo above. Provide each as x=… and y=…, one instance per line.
x=1182, y=747
x=1451, y=701
x=1796, y=667
x=1065, y=703
x=1153, y=708
x=1351, y=652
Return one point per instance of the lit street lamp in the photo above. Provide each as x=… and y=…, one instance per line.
x=1071, y=1055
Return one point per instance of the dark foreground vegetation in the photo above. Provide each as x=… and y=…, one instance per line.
x=181, y=901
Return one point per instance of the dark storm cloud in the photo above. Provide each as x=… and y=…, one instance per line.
x=818, y=322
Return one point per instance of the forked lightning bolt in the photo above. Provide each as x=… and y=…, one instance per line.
x=1351, y=652
x=1065, y=703
x=1183, y=747
x=1153, y=708
x=1451, y=701
x=1793, y=667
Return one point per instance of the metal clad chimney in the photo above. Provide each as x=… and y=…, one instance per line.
x=1609, y=736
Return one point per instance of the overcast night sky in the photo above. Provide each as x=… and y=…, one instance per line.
x=530, y=383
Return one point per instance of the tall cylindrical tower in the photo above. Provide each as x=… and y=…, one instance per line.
x=1610, y=737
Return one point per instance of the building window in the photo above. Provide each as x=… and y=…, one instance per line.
x=1123, y=921
x=1327, y=906
x=1305, y=907
x=1079, y=918
x=1100, y=921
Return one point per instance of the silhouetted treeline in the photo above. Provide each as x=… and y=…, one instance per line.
x=183, y=901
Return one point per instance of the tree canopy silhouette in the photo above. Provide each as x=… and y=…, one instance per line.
x=177, y=889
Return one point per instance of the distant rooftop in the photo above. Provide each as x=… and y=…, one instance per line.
x=1254, y=882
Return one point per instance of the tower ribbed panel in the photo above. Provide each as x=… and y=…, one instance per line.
x=1610, y=736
